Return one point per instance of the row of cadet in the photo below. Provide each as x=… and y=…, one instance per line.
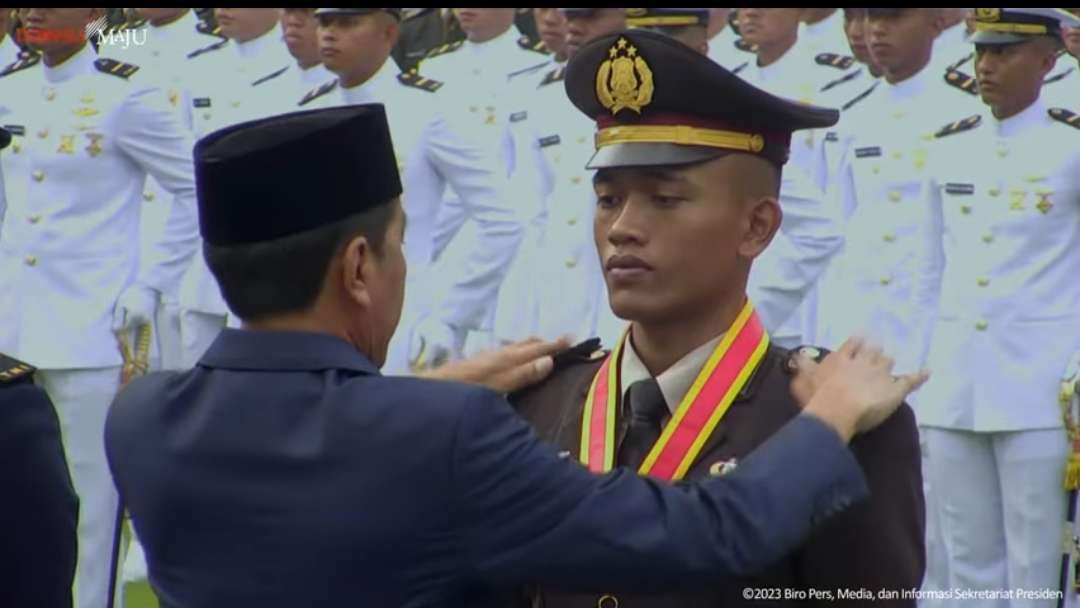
x=941, y=215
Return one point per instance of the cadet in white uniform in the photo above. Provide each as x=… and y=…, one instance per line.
x=222, y=94
x=1007, y=185
x=159, y=43
x=71, y=279
x=480, y=67
x=434, y=154
x=556, y=286
x=887, y=278
x=278, y=91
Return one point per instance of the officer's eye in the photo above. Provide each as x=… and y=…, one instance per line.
x=667, y=201
x=607, y=201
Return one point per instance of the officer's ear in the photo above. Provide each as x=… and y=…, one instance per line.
x=759, y=187
x=357, y=269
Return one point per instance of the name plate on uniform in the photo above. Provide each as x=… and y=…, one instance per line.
x=518, y=116
x=867, y=152
x=16, y=130
x=832, y=136
x=201, y=102
x=959, y=188
x=550, y=140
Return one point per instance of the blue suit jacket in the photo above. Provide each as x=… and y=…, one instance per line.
x=284, y=470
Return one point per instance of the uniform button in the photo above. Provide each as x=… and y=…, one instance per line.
x=30, y=260
x=988, y=238
x=575, y=180
x=571, y=263
x=38, y=175
x=16, y=147
x=875, y=169
x=888, y=238
x=983, y=281
x=148, y=196
x=473, y=108
x=42, y=134
x=894, y=196
x=981, y=325
x=33, y=219
x=885, y=280
x=1002, y=152
x=897, y=155
x=965, y=209
x=995, y=192
x=571, y=221
x=236, y=104
x=50, y=94
x=582, y=139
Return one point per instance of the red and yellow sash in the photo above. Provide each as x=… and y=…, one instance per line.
x=714, y=390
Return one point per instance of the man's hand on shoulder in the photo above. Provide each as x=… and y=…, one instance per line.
x=505, y=370
x=853, y=389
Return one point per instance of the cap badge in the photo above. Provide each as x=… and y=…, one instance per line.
x=988, y=14
x=624, y=80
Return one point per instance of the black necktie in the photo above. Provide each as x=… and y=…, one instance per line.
x=647, y=410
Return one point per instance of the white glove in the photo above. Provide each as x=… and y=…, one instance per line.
x=135, y=307
x=434, y=343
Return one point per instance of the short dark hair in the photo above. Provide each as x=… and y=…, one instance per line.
x=285, y=275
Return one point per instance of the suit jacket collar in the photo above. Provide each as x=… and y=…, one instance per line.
x=241, y=349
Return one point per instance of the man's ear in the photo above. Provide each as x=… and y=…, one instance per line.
x=356, y=270
x=763, y=220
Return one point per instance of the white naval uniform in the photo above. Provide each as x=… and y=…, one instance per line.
x=222, y=95
x=1009, y=195
x=556, y=287
x=799, y=75
x=433, y=154
x=162, y=60
x=887, y=277
x=69, y=246
x=483, y=73
x=278, y=91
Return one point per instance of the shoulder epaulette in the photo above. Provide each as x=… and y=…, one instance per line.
x=744, y=46
x=318, y=92
x=959, y=126
x=1066, y=116
x=412, y=79
x=115, y=68
x=555, y=75
x=206, y=49
x=13, y=369
x=444, y=49
x=530, y=44
x=1057, y=77
x=962, y=81
x=963, y=60
x=209, y=30
x=842, y=62
x=861, y=96
x=841, y=80
x=28, y=61
x=270, y=76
